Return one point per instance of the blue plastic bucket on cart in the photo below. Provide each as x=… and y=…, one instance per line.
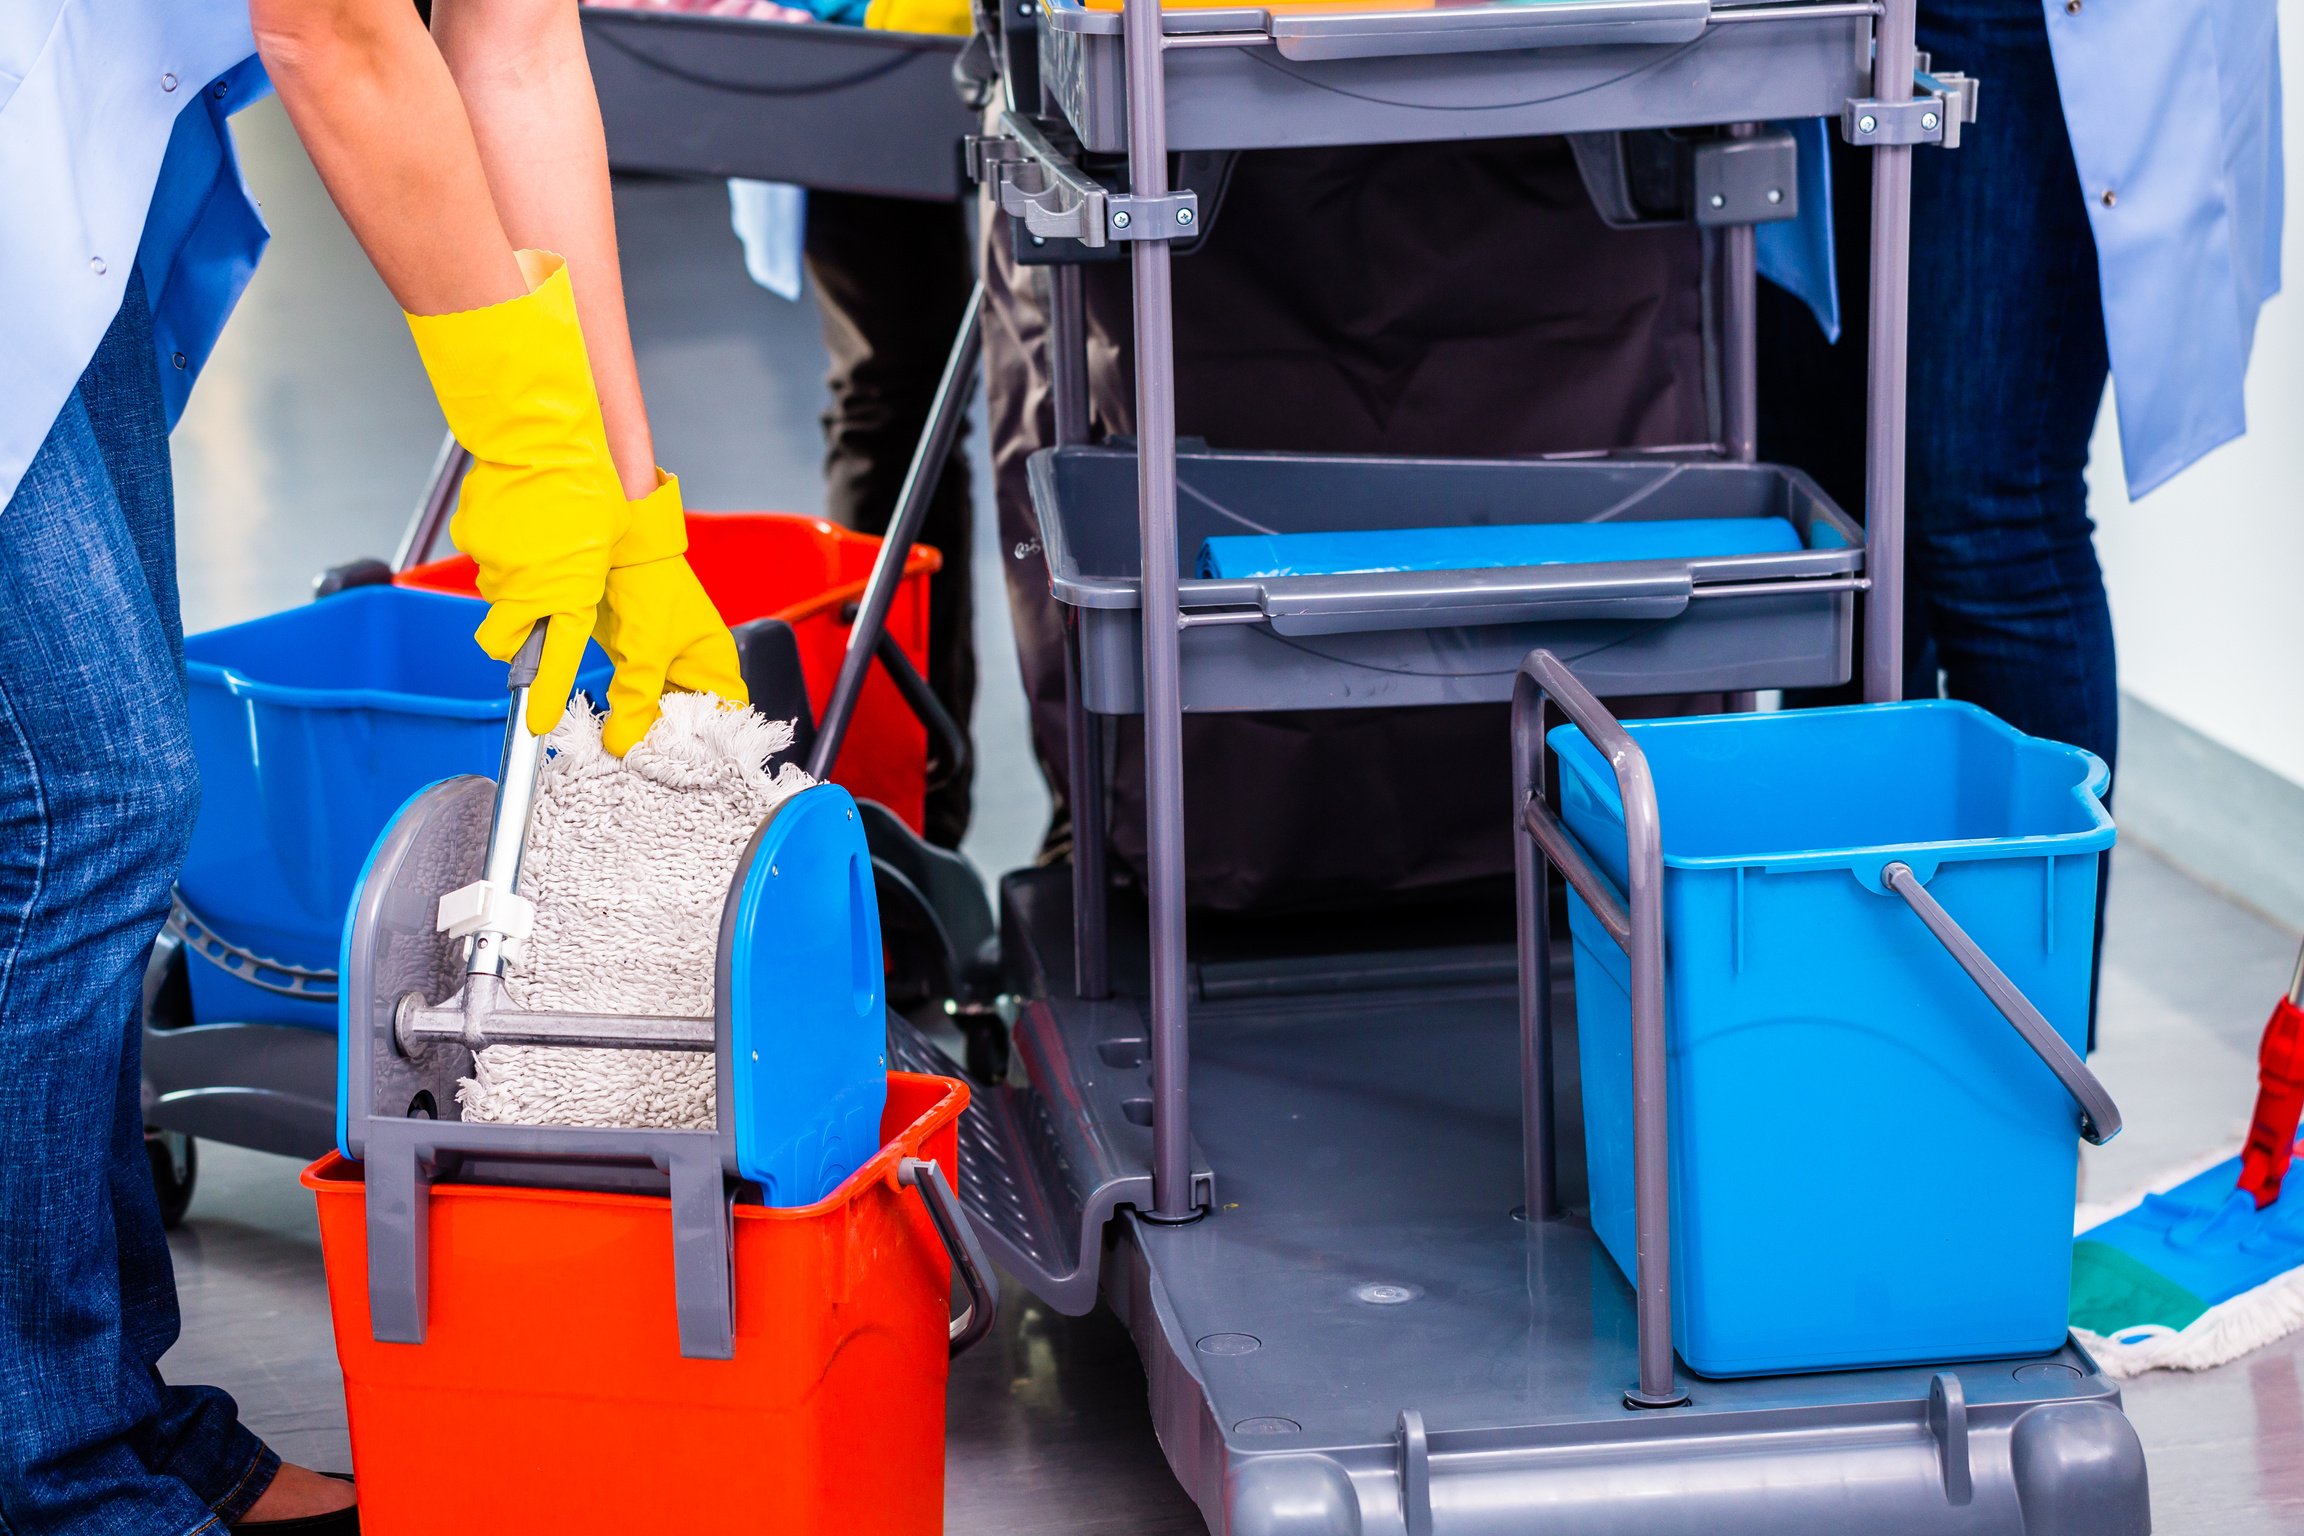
x=1868, y=1165
x=312, y=726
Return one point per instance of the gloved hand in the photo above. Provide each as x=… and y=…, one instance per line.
x=657, y=625
x=541, y=504
x=952, y=18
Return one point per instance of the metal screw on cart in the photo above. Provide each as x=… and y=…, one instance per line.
x=1867, y=123
x=1929, y=120
x=1183, y=215
x=1122, y=219
x=1775, y=195
x=1718, y=201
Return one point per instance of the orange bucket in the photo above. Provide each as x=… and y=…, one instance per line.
x=550, y=1395
x=805, y=571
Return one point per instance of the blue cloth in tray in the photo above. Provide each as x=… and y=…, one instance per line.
x=1483, y=548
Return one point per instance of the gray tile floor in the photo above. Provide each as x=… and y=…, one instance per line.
x=307, y=443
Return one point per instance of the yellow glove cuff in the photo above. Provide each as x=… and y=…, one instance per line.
x=949, y=18
x=654, y=528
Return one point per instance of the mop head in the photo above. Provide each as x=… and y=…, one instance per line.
x=2189, y=1274
x=629, y=861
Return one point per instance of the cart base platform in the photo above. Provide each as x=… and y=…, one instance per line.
x=1363, y=1337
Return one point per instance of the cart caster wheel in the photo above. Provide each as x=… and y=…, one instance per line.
x=175, y=1162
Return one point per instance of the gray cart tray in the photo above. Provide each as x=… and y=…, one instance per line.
x=840, y=109
x=1452, y=637
x=1362, y=1340
x=1249, y=78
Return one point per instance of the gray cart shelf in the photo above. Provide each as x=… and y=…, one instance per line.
x=1305, y=1183
x=1722, y=623
x=1252, y=78
x=840, y=109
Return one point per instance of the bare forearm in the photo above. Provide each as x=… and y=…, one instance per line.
x=520, y=68
x=381, y=118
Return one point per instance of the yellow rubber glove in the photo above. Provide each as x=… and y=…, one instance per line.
x=950, y=18
x=657, y=625
x=541, y=504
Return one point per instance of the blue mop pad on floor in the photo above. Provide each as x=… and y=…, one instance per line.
x=2190, y=1275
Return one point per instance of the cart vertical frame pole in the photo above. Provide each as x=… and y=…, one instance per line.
x=1885, y=383
x=1084, y=744
x=1163, y=692
x=1738, y=277
x=1067, y=341
x=946, y=413
x=1532, y=939
x=1068, y=353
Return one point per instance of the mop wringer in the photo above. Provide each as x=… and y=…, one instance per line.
x=657, y=974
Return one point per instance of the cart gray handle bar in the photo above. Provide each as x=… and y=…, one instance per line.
x=1637, y=925
x=2099, y=1116
x=977, y=1276
x=945, y=414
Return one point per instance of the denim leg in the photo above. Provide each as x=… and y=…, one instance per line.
x=2008, y=369
x=97, y=795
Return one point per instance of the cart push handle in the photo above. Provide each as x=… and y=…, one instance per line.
x=945, y=414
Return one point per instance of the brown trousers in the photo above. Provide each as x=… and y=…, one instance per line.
x=1420, y=299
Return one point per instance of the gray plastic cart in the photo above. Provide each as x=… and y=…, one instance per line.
x=1327, y=1179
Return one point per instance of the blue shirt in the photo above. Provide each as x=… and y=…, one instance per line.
x=2173, y=110
x=114, y=152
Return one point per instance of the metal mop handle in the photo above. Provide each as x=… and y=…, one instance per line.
x=508, y=821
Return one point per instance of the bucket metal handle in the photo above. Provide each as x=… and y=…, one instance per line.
x=976, y=1273
x=2099, y=1116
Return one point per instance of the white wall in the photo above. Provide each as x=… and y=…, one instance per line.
x=2207, y=573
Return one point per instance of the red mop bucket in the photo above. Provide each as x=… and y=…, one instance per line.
x=550, y=1395
x=807, y=572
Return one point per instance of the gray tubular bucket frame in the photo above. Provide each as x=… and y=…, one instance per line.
x=1635, y=920
x=1637, y=924
x=1145, y=52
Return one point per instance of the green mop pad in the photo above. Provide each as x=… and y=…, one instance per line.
x=2190, y=1275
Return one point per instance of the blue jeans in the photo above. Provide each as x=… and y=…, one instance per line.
x=97, y=795
x=2005, y=601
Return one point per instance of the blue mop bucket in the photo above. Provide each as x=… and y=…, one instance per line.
x=312, y=727
x=1868, y=1164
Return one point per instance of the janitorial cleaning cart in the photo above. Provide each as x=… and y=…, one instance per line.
x=1776, y=1238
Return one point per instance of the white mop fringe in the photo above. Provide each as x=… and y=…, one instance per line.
x=2223, y=1333
x=629, y=862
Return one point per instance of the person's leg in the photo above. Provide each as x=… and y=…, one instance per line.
x=97, y=794
x=1019, y=420
x=2008, y=372
x=892, y=279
